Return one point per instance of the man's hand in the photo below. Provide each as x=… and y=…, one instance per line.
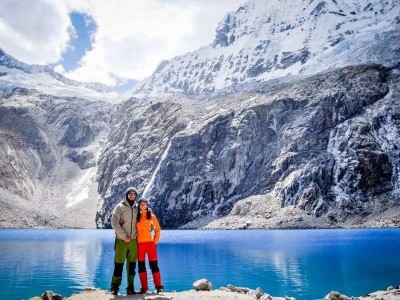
x=127, y=239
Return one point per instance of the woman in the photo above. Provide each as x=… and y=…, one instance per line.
x=148, y=235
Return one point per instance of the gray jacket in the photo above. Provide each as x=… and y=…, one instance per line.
x=123, y=220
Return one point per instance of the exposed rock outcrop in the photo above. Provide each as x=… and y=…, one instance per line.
x=328, y=145
x=41, y=139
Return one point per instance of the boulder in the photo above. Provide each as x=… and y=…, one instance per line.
x=336, y=296
x=50, y=295
x=202, y=285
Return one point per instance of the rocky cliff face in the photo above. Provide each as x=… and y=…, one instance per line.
x=318, y=152
x=137, y=145
x=327, y=145
x=24, y=147
x=41, y=139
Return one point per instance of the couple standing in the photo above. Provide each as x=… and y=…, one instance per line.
x=137, y=233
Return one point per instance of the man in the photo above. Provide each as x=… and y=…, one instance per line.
x=123, y=221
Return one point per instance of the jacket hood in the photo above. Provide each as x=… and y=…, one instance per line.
x=131, y=189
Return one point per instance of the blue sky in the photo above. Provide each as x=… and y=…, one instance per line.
x=81, y=42
x=84, y=27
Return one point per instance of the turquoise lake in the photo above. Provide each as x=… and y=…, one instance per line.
x=305, y=264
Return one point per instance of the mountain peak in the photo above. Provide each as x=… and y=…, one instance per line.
x=264, y=40
x=10, y=62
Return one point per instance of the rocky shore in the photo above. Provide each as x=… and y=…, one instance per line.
x=202, y=290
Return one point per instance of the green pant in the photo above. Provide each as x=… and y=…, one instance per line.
x=124, y=251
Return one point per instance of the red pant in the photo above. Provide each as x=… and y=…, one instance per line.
x=148, y=248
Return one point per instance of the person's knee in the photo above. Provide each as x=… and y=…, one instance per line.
x=132, y=267
x=118, y=267
x=141, y=266
x=154, y=266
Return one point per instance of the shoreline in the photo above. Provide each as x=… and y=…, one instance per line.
x=228, y=293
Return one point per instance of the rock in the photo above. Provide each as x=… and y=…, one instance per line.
x=266, y=297
x=238, y=289
x=157, y=297
x=84, y=159
x=202, y=285
x=50, y=295
x=89, y=289
x=298, y=218
x=390, y=288
x=258, y=292
x=334, y=295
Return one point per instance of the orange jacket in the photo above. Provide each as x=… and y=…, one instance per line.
x=144, y=229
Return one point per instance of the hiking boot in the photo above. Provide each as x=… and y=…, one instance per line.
x=160, y=290
x=130, y=291
x=143, y=291
x=114, y=291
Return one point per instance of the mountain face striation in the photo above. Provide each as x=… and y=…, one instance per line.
x=327, y=145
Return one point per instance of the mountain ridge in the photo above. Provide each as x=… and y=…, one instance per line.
x=252, y=44
x=10, y=62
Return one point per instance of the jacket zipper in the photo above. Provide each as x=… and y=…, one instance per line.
x=130, y=236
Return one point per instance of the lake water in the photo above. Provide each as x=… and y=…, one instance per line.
x=305, y=264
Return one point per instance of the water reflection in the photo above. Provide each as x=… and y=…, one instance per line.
x=281, y=272
x=289, y=271
x=33, y=261
x=81, y=259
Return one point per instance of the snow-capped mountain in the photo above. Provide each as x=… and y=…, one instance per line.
x=297, y=151
x=264, y=40
x=16, y=74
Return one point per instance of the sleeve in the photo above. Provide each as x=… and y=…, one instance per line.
x=115, y=223
x=157, y=229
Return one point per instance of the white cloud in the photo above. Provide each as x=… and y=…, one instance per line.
x=60, y=69
x=206, y=15
x=132, y=39
x=34, y=31
x=132, y=36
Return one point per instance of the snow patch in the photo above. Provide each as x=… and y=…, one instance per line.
x=153, y=176
x=80, y=190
